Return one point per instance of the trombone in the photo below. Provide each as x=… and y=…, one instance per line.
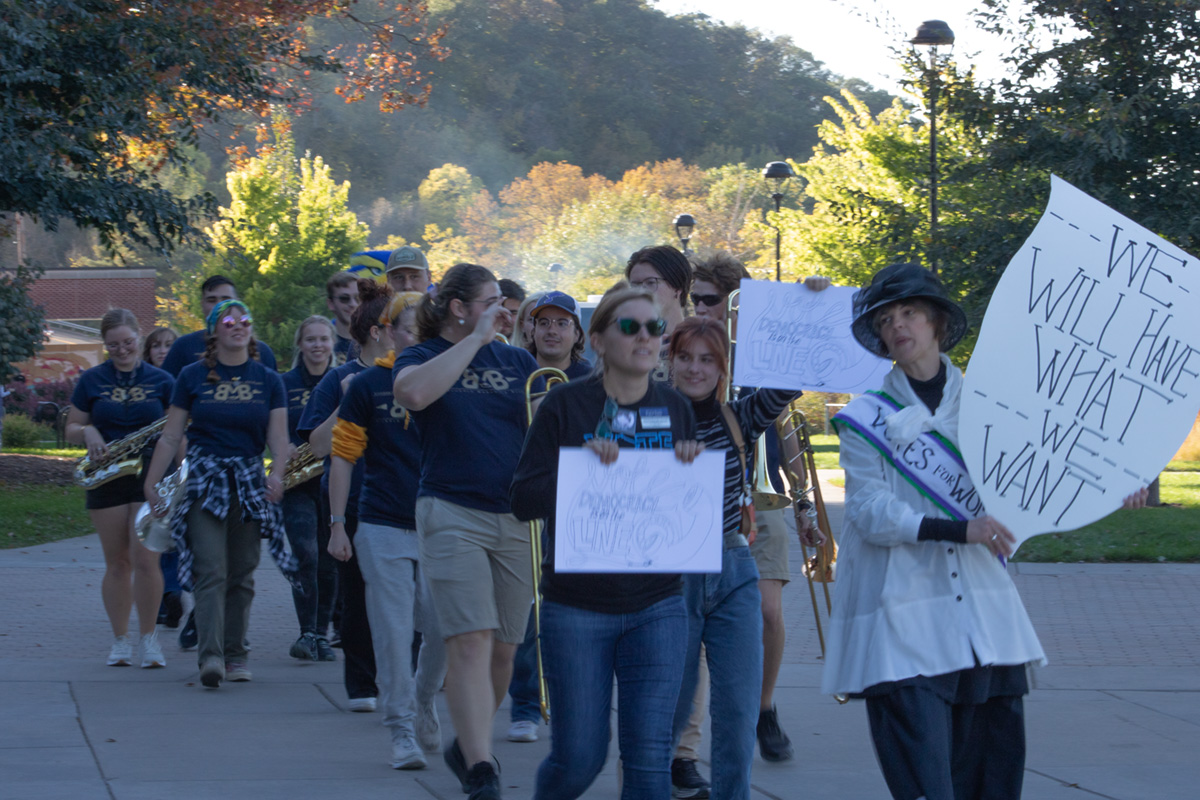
x=553, y=377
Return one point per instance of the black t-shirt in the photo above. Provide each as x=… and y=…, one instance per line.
x=300, y=384
x=567, y=418
x=122, y=402
x=229, y=417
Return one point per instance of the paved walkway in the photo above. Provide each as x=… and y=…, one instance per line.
x=1116, y=714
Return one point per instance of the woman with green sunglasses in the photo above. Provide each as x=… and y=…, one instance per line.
x=599, y=625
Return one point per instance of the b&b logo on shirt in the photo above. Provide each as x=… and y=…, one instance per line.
x=491, y=379
x=133, y=394
x=235, y=392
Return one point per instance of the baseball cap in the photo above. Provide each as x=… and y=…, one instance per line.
x=407, y=258
x=558, y=300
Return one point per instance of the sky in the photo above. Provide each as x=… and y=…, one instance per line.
x=850, y=44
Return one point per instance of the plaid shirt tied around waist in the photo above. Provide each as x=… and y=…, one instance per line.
x=209, y=484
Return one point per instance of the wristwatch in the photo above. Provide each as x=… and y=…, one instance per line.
x=337, y=518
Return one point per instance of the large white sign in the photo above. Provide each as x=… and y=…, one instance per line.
x=646, y=512
x=789, y=337
x=1084, y=381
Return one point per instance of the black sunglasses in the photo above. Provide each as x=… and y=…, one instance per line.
x=630, y=327
x=710, y=300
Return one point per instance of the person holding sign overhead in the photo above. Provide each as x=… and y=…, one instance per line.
x=927, y=626
x=597, y=625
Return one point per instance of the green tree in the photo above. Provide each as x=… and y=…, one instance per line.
x=445, y=192
x=20, y=320
x=286, y=230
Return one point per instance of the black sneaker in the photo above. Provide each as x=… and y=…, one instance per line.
x=482, y=782
x=686, y=781
x=188, y=637
x=171, y=609
x=325, y=650
x=773, y=743
x=457, y=762
x=304, y=648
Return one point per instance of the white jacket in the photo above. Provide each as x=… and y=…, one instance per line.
x=901, y=607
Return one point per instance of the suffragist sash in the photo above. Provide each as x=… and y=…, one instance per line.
x=931, y=463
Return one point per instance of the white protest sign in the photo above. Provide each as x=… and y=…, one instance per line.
x=789, y=337
x=647, y=512
x=1084, y=381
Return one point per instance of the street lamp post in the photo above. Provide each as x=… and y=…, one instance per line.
x=555, y=268
x=775, y=174
x=684, y=225
x=932, y=34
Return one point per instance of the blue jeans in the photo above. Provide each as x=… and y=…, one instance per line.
x=582, y=650
x=523, y=688
x=725, y=612
x=308, y=534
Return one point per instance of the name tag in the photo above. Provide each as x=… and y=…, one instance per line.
x=655, y=419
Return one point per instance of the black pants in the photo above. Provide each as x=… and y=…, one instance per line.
x=358, y=654
x=929, y=747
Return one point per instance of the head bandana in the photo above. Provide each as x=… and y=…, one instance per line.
x=221, y=308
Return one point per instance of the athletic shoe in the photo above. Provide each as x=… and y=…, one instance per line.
x=686, y=781
x=171, y=609
x=773, y=743
x=212, y=672
x=482, y=782
x=457, y=762
x=152, y=654
x=237, y=672
x=188, y=637
x=304, y=648
x=429, y=730
x=523, y=730
x=406, y=754
x=121, y=654
x=363, y=705
x=325, y=650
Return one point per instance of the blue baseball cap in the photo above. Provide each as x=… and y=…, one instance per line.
x=558, y=300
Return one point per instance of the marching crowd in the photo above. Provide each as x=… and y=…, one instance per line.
x=411, y=550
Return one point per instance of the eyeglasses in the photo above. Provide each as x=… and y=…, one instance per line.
x=631, y=327
x=604, y=428
x=128, y=344
x=710, y=300
x=649, y=284
x=230, y=322
x=560, y=323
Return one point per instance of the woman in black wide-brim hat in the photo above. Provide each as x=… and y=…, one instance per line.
x=927, y=626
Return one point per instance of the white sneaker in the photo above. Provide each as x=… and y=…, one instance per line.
x=363, y=705
x=152, y=654
x=406, y=754
x=121, y=654
x=523, y=730
x=429, y=730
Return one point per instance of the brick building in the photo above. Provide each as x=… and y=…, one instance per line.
x=83, y=294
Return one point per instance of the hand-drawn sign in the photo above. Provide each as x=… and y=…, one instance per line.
x=645, y=513
x=789, y=337
x=1085, y=377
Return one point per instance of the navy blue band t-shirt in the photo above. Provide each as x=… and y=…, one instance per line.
x=392, y=459
x=325, y=400
x=471, y=436
x=229, y=417
x=189, y=348
x=299, y=383
x=122, y=402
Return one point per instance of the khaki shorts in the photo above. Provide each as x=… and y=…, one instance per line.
x=479, y=569
x=770, y=548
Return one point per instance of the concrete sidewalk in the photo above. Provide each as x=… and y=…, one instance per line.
x=1115, y=715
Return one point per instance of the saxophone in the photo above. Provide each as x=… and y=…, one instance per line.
x=124, y=457
x=303, y=466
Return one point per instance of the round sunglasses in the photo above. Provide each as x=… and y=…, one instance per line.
x=230, y=322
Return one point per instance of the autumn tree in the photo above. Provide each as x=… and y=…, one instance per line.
x=96, y=96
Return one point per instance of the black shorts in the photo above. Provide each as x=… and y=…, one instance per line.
x=117, y=492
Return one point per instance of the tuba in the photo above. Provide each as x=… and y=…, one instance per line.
x=124, y=457
x=553, y=377
x=303, y=466
x=155, y=532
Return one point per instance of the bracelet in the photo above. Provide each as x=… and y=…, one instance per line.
x=337, y=518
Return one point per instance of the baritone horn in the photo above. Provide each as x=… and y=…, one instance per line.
x=553, y=377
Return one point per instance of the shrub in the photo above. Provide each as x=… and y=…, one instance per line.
x=21, y=431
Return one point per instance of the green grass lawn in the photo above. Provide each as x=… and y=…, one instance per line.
x=64, y=452
x=32, y=515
